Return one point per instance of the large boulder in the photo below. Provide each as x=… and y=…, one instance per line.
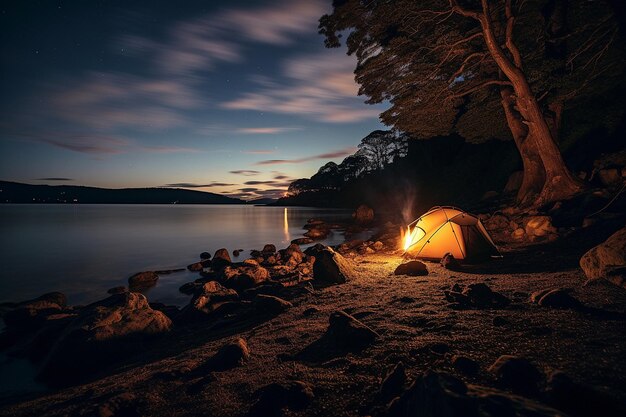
x=539, y=227
x=412, y=268
x=345, y=330
x=607, y=260
x=435, y=394
x=516, y=373
x=221, y=259
x=143, y=280
x=33, y=313
x=329, y=266
x=103, y=333
x=211, y=298
x=363, y=214
x=243, y=276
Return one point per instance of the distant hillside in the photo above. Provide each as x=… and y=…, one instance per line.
x=13, y=192
x=262, y=201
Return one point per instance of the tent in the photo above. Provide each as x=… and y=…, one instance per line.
x=449, y=229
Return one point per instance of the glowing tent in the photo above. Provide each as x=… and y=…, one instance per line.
x=449, y=229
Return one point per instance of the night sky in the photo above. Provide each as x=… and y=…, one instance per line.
x=230, y=97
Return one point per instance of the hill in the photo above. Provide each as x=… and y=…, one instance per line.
x=13, y=192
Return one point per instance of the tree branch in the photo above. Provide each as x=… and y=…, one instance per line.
x=510, y=45
x=454, y=4
x=478, y=87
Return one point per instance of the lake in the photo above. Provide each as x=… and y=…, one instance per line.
x=83, y=250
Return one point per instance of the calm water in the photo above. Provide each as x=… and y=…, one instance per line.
x=83, y=250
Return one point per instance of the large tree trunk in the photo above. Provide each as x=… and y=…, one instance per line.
x=559, y=183
x=534, y=173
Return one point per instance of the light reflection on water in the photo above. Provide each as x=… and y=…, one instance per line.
x=83, y=250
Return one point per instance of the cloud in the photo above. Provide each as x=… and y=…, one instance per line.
x=329, y=155
x=259, y=151
x=195, y=185
x=54, y=179
x=249, y=189
x=259, y=182
x=318, y=86
x=246, y=172
x=265, y=130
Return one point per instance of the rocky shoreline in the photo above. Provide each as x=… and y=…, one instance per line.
x=349, y=330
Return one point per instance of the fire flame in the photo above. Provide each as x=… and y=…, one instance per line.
x=408, y=239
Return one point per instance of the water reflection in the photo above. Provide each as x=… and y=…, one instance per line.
x=83, y=250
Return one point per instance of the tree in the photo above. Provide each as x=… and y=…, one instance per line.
x=381, y=147
x=352, y=167
x=440, y=62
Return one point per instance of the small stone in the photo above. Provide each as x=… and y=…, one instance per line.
x=393, y=382
x=221, y=259
x=516, y=373
x=378, y=245
x=205, y=255
x=559, y=298
x=439, y=348
x=273, y=398
x=465, y=365
x=269, y=249
x=310, y=311
x=117, y=290
x=350, y=332
x=449, y=262
x=228, y=356
x=236, y=253
x=271, y=304
x=195, y=267
x=143, y=279
x=412, y=268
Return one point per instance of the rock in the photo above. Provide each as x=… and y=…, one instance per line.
x=242, y=277
x=211, y=297
x=195, y=267
x=539, y=227
x=437, y=394
x=122, y=405
x=271, y=304
x=610, y=176
x=33, y=313
x=317, y=233
x=449, y=262
x=518, y=234
x=329, y=266
x=481, y=295
x=363, y=214
x=302, y=241
x=143, y=280
x=117, y=290
x=580, y=399
x=228, y=356
x=205, y=256
x=465, y=365
x=607, y=260
x=273, y=398
x=394, y=382
x=556, y=298
x=221, y=259
x=310, y=311
x=514, y=182
x=347, y=331
x=412, y=268
x=190, y=288
x=268, y=249
x=517, y=374
x=378, y=245
x=236, y=253
x=103, y=332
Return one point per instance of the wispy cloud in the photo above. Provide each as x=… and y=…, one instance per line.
x=329, y=155
x=265, y=130
x=246, y=172
x=195, y=185
x=259, y=151
x=319, y=86
x=259, y=182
